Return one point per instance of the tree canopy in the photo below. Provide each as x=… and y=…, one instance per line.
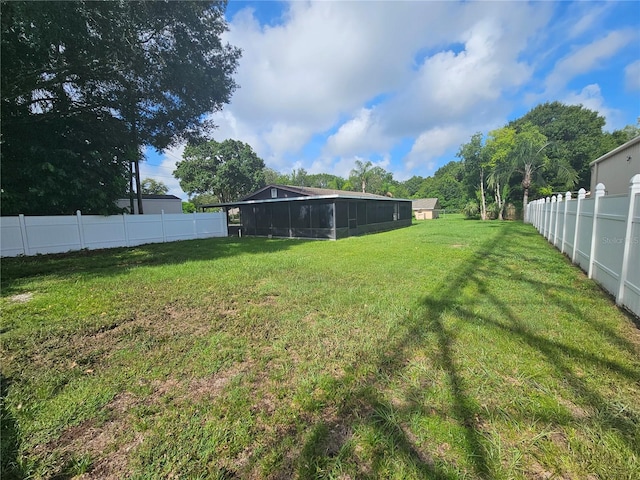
x=575, y=133
x=97, y=81
x=151, y=186
x=229, y=170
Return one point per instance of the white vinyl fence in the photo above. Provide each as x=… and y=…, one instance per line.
x=600, y=234
x=24, y=235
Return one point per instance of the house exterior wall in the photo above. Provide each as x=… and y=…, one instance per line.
x=153, y=206
x=616, y=168
x=426, y=214
x=280, y=193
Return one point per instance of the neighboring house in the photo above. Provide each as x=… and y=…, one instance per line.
x=616, y=168
x=153, y=204
x=305, y=212
x=426, y=208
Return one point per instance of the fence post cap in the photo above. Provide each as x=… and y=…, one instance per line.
x=559, y=197
x=553, y=199
x=568, y=195
x=547, y=200
x=600, y=190
x=635, y=180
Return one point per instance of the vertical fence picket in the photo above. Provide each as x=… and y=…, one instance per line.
x=23, y=233
x=634, y=190
x=564, y=226
x=547, y=217
x=164, y=233
x=555, y=232
x=80, y=229
x=582, y=193
x=554, y=218
x=126, y=230
x=594, y=229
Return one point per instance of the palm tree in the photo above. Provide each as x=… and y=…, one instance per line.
x=362, y=171
x=531, y=161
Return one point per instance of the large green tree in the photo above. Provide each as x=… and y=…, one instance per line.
x=499, y=161
x=475, y=177
x=229, y=170
x=446, y=185
x=576, y=134
x=151, y=186
x=97, y=81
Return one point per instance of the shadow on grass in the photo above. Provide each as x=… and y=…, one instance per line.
x=366, y=404
x=117, y=261
x=9, y=467
x=559, y=355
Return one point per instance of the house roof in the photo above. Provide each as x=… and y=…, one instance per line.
x=314, y=192
x=424, y=204
x=303, y=193
x=149, y=196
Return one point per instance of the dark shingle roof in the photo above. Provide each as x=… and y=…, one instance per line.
x=328, y=191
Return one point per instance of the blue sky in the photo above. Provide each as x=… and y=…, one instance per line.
x=404, y=84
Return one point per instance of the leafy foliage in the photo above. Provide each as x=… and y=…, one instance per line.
x=576, y=134
x=151, y=186
x=446, y=185
x=188, y=207
x=98, y=80
x=229, y=170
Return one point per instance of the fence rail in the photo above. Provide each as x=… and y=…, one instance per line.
x=24, y=235
x=601, y=234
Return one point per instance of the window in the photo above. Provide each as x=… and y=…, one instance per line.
x=274, y=193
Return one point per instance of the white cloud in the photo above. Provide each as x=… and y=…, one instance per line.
x=632, y=76
x=362, y=133
x=161, y=167
x=587, y=58
x=378, y=75
x=433, y=143
x=584, y=16
x=591, y=98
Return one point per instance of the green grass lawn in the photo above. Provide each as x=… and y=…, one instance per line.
x=449, y=349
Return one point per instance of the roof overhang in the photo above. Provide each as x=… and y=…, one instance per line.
x=301, y=199
x=619, y=149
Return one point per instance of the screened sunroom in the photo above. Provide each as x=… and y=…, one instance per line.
x=304, y=212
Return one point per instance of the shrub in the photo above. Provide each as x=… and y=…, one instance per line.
x=471, y=210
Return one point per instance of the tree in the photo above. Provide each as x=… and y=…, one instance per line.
x=188, y=207
x=154, y=187
x=380, y=182
x=325, y=180
x=499, y=160
x=576, y=134
x=413, y=185
x=446, y=185
x=299, y=178
x=272, y=177
x=229, y=170
x=362, y=172
x=103, y=79
x=471, y=154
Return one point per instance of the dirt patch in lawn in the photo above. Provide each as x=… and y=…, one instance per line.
x=21, y=297
x=111, y=444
